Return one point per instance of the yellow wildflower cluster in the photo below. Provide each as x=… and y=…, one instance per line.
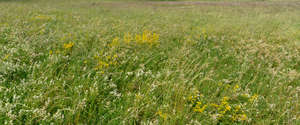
x=67, y=49
x=229, y=109
x=146, y=37
x=51, y=52
x=68, y=46
x=128, y=38
x=253, y=98
x=199, y=108
x=105, y=61
x=162, y=115
x=236, y=87
x=196, y=97
x=115, y=42
x=196, y=102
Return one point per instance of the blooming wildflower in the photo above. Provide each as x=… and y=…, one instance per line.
x=191, y=98
x=127, y=38
x=223, y=112
x=146, y=37
x=96, y=57
x=199, y=109
x=50, y=52
x=155, y=37
x=115, y=56
x=253, y=98
x=163, y=115
x=138, y=38
x=101, y=64
x=234, y=118
x=243, y=117
x=115, y=42
x=225, y=99
x=68, y=45
x=237, y=108
x=198, y=103
x=214, y=105
x=6, y=57
x=236, y=87
x=227, y=107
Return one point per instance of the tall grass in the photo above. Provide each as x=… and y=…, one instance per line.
x=88, y=62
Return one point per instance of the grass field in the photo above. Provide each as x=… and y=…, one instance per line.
x=120, y=62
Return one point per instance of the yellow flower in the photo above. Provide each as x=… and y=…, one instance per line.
x=234, y=118
x=214, y=105
x=138, y=38
x=191, y=98
x=127, y=38
x=253, y=98
x=224, y=103
x=243, y=117
x=223, y=112
x=6, y=57
x=145, y=36
x=198, y=109
x=115, y=42
x=225, y=99
x=115, y=56
x=50, y=52
x=237, y=108
x=101, y=64
x=199, y=103
x=163, y=115
x=68, y=45
x=155, y=37
x=227, y=107
x=236, y=87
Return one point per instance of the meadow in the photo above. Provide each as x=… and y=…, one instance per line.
x=136, y=62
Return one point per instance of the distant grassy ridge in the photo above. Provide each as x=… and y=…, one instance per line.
x=210, y=0
x=154, y=0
